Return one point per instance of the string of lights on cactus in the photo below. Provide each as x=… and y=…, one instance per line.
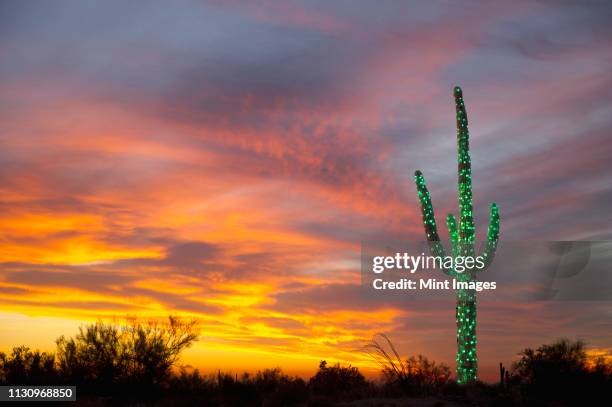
x=462, y=237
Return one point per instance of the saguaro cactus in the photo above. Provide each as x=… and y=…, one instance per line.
x=462, y=242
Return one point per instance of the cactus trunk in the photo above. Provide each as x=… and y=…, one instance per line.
x=465, y=314
x=462, y=236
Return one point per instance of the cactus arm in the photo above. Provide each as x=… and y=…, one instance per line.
x=427, y=211
x=492, y=235
x=464, y=170
x=493, y=232
x=429, y=219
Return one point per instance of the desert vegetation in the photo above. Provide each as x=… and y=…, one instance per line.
x=138, y=365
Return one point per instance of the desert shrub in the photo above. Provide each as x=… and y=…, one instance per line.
x=24, y=366
x=548, y=364
x=269, y=388
x=192, y=382
x=153, y=348
x=278, y=389
x=232, y=392
x=415, y=375
x=341, y=383
x=138, y=354
x=95, y=354
x=561, y=371
x=427, y=374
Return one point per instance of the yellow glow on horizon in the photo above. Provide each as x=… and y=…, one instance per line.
x=33, y=225
x=80, y=250
x=208, y=354
x=596, y=354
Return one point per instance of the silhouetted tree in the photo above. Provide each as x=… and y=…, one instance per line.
x=153, y=348
x=95, y=354
x=140, y=353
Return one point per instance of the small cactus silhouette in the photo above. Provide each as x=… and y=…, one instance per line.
x=462, y=239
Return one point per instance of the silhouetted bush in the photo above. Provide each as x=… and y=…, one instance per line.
x=561, y=371
x=152, y=349
x=139, y=354
x=232, y=392
x=270, y=388
x=132, y=365
x=412, y=376
x=96, y=354
x=191, y=382
x=337, y=382
x=24, y=366
x=279, y=389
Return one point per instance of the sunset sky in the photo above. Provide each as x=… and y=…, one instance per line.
x=224, y=161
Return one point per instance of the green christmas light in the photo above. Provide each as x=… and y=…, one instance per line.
x=462, y=237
